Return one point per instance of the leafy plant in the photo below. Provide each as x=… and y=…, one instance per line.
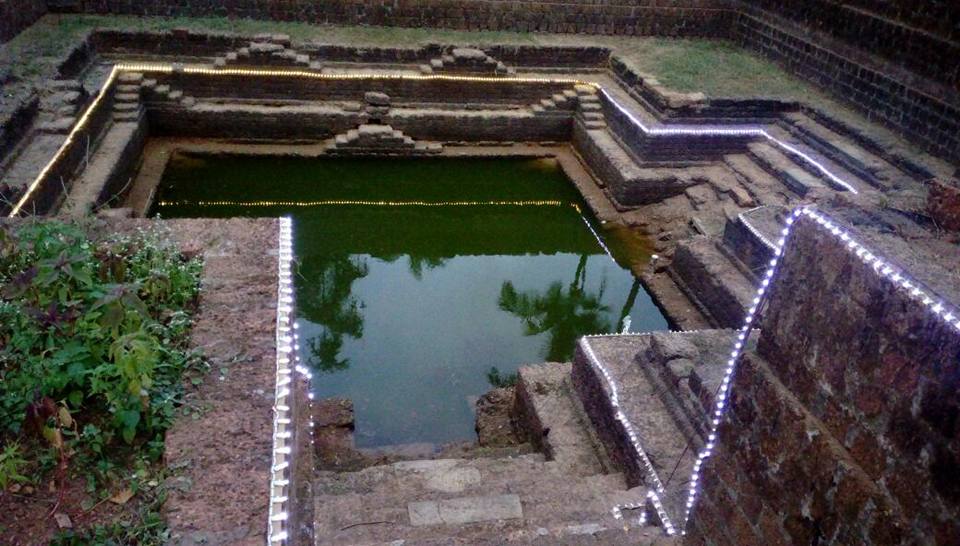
x=93, y=348
x=11, y=464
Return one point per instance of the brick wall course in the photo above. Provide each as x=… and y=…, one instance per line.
x=16, y=15
x=623, y=17
x=846, y=421
x=925, y=110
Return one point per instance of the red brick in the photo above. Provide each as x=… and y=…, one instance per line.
x=851, y=496
x=870, y=399
x=869, y=454
x=771, y=529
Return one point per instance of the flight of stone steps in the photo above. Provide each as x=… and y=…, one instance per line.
x=564, y=496
x=60, y=105
x=268, y=50
x=589, y=111
x=379, y=139
x=666, y=383
x=718, y=269
x=161, y=92
x=564, y=101
x=467, y=61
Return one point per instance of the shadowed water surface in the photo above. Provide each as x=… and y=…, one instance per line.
x=415, y=277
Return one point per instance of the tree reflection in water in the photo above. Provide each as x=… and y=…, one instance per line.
x=325, y=298
x=564, y=313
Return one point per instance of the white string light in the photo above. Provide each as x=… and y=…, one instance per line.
x=641, y=456
x=943, y=311
x=713, y=130
x=283, y=427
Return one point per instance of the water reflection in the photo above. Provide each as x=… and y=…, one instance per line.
x=564, y=314
x=326, y=297
x=405, y=308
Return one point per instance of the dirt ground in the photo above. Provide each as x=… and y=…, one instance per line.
x=224, y=454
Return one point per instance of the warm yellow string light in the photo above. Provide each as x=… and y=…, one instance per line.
x=167, y=68
x=349, y=202
x=81, y=123
x=290, y=73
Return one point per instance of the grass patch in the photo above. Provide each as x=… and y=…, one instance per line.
x=714, y=67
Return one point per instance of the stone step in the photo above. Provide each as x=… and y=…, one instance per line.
x=590, y=106
x=555, y=421
x=595, y=124
x=785, y=169
x=865, y=165
x=162, y=89
x=472, y=499
x=175, y=94
x=834, y=168
x=126, y=116
x=538, y=108
x=647, y=406
x=148, y=84
x=712, y=280
x=426, y=69
x=57, y=126
x=128, y=88
x=559, y=98
x=126, y=106
x=767, y=189
x=548, y=104
x=584, y=90
x=130, y=77
x=127, y=97
x=687, y=369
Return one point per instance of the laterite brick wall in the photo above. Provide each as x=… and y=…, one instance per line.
x=896, y=75
x=844, y=427
x=16, y=15
x=633, y=17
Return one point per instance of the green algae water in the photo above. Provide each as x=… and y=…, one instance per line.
x=415, y=277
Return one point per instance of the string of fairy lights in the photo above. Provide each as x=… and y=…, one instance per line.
x=286, y=335
x=362, y=203
x=943, y=311
x=282, y=454
x=169, y=68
